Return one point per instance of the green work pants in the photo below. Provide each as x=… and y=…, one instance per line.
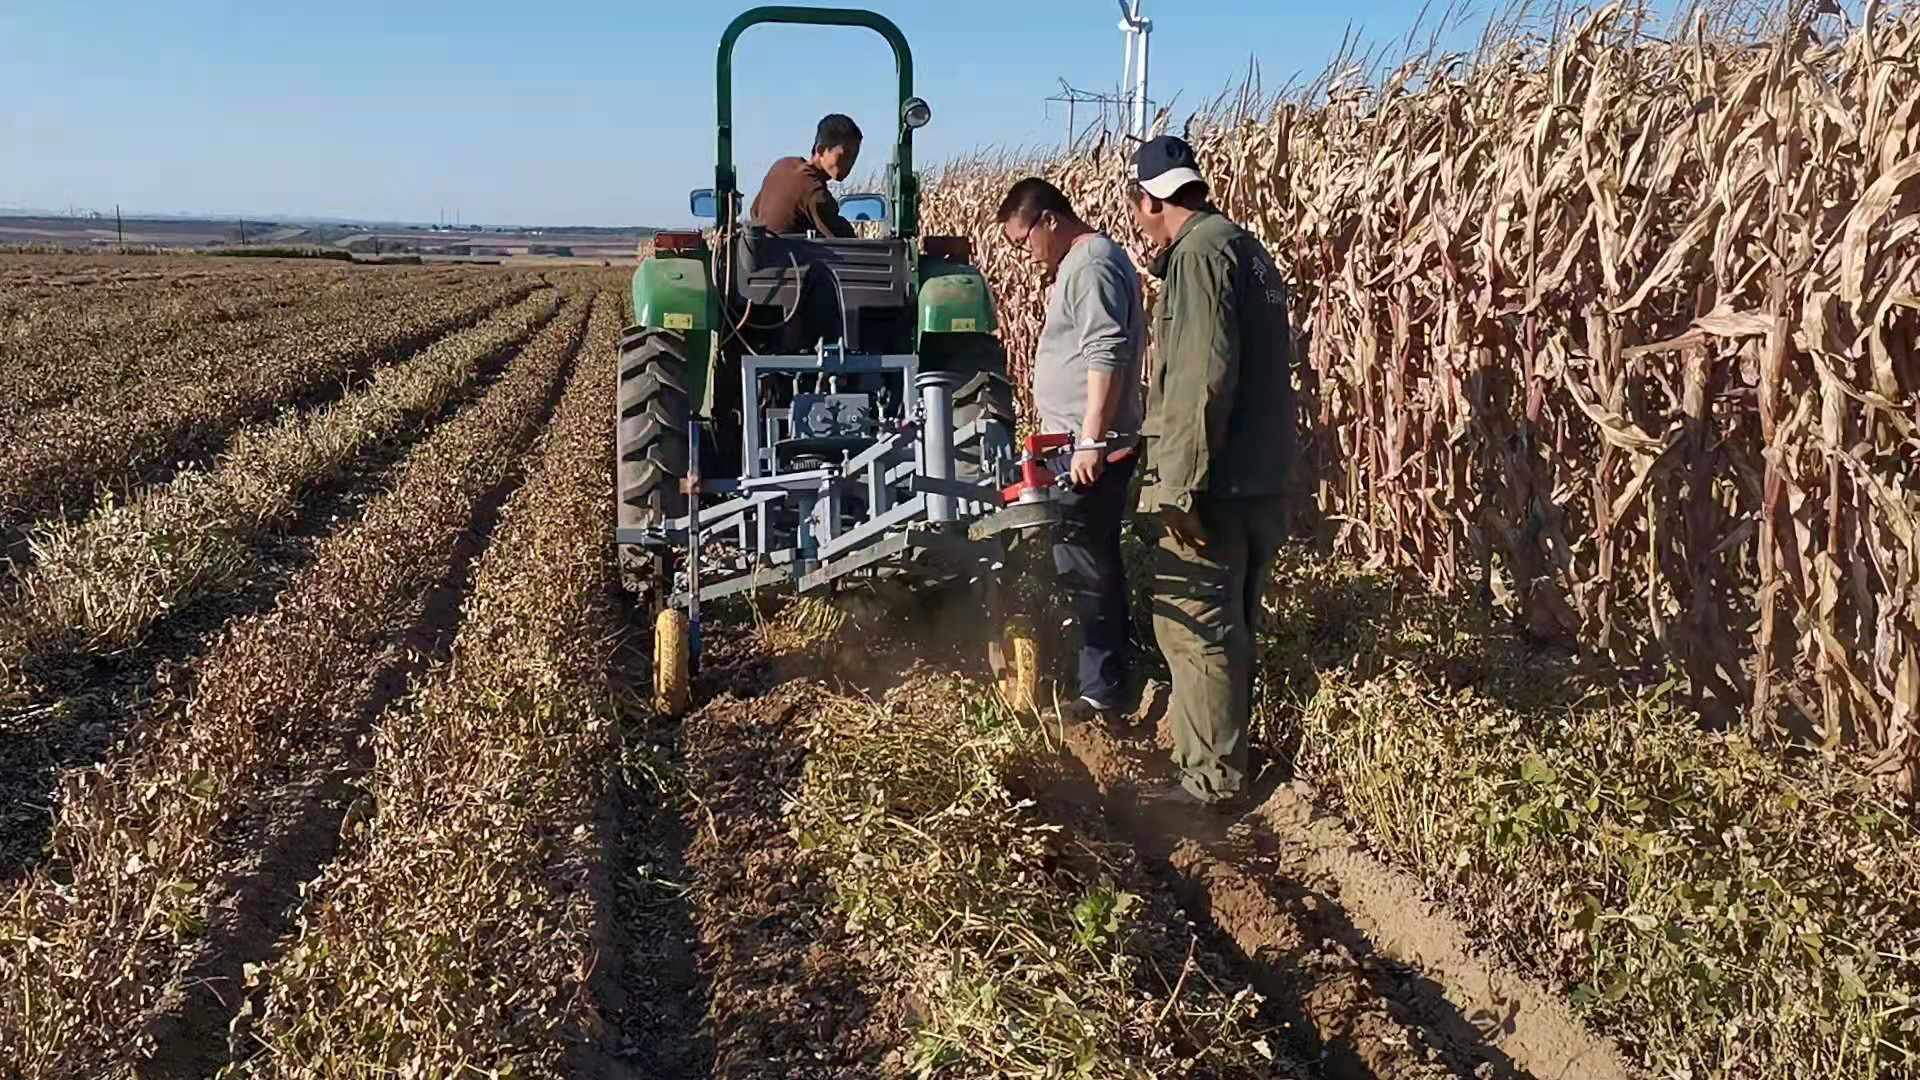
x=1206, y=605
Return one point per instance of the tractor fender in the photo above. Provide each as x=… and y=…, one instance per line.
x=954, y=299
x=670, y=293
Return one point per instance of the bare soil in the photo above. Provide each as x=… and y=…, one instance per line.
x=1391, y=982
x=648, y=989
x=790, y=994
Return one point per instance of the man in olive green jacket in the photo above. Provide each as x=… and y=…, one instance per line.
x=1219, y=441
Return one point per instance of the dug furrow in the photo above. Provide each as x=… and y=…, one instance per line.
x=58, y=460
x=101, y=582
x=469, y=874
x=79, y=340
x=57, y=350
x=118, y=597
x=90, y=941
x=874, y=897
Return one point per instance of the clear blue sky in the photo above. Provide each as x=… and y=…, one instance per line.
x=563, y=113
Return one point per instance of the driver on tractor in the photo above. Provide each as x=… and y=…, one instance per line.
x=794, y=197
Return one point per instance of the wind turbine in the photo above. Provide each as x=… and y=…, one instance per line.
x=1139, y=32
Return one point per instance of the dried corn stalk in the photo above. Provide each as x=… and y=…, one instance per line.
x=1623, y=328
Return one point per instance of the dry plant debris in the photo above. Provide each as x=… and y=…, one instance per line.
x=468, y=875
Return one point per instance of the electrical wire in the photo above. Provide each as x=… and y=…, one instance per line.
x=733, y=333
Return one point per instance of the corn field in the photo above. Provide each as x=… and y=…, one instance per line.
x=1618, y=326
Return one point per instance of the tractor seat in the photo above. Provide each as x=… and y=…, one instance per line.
x=780, y=272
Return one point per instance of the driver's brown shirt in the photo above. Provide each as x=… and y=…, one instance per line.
x=794, y=199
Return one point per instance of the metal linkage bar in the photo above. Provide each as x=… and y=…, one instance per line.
x=764, y=578
x=716, y=516
x=909, y=547
x=958, y=489
x=721, y=513
x=911, y=510
x=792, y=481
x=873, y=455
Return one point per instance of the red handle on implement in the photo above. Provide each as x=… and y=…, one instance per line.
x=1033, y=474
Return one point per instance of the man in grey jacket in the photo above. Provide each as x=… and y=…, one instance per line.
x=1086, y=382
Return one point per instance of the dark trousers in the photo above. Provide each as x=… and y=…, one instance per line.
x=1086, y=553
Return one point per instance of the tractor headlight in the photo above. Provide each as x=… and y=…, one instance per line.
x=916, y=113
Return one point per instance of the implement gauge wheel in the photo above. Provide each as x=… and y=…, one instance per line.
x=672, y=650
x=1014, y=658
x=1022, y=685
x=650, y=444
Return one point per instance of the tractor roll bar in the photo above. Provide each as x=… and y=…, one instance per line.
x=726, y=182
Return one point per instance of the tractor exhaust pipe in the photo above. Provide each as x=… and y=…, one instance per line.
x=936, y=437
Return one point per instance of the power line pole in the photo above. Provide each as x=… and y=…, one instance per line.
x=1073, y=97
x=119, y=229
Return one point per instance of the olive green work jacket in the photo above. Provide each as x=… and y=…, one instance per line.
x=1220, y=420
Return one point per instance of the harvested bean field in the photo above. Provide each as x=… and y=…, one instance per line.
x=325, y=751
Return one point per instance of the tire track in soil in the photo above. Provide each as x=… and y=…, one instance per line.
x=1346, y=1029
x=89, y=695
x=1275, y=883
x=789, y=994
x=297, y=826
x=1065, y=794
x=648, y=989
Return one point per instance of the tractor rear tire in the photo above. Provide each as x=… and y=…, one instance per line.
x=980, y=360
x=650, y=444
x=985, y=396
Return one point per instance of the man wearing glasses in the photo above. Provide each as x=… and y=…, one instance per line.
x=1086, y=382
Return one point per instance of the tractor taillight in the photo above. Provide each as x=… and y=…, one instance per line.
x=951, y=248
x=679, y=241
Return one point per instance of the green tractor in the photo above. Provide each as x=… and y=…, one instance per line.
x=797, y=410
